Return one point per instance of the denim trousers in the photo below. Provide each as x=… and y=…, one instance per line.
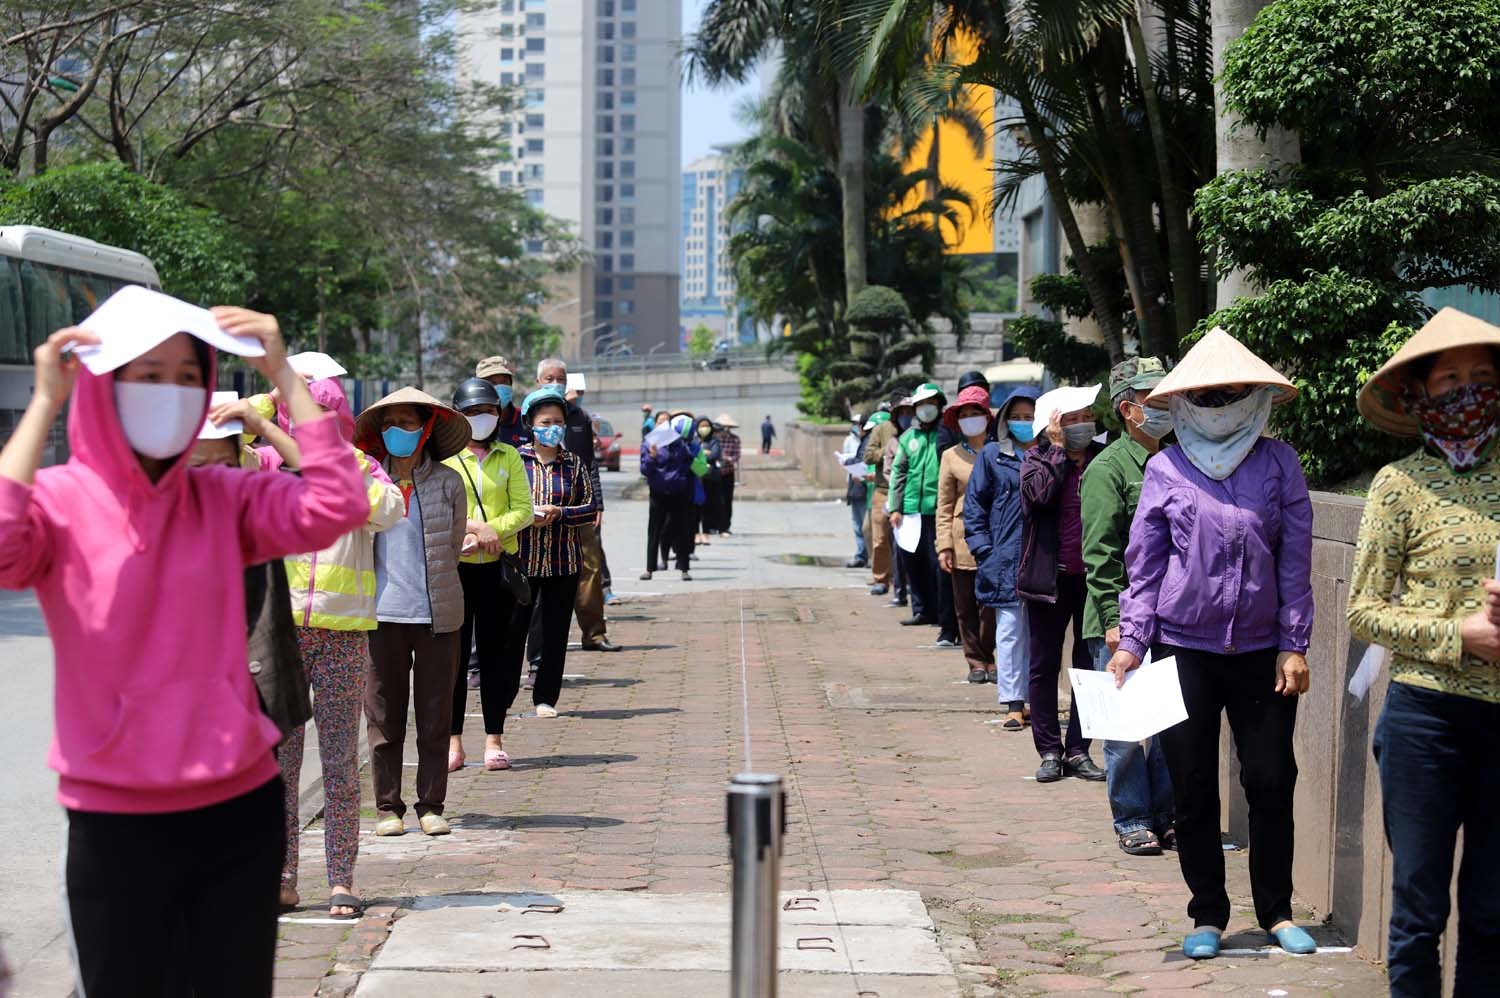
x=1012, y=654
x=857, y=514
x=1433, y=750
x=1140, y=788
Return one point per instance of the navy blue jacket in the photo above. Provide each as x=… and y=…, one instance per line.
x=669, y=473
x=992, y=525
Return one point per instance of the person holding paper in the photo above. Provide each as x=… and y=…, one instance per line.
x=1219, y=563
x=666, y=464
x=164, y=753
x=884, y=561
x=851, y=453
x=992, y=529
x=1430, y=533
x=1140, y=788
x=969, y=416
x=914, y=479
x=1052, y=572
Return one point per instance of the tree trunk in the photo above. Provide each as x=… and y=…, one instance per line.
x=852, y=183
x=1238, y=147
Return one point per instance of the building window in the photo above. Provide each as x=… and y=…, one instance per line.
x=535, y=97
x=627, y=330
x=604, y=216
x=606, y=192
x=627, y=192
x=606, y=240
x=534, y=146
x=627, y=168
x=534, y=5
x=627, y=30
x=627, y=122
x=605, y=170
x=605, y=147
x=606, y=53
x=627, y=53
x=627, y=216
x=606, y=123
x=627, y=261
x=507, y=177
x=627, y=147
x=507, y=55
x=626, y=306
x=607, y=8
x=535, y=246
x=533, y=196
x=536, y=21
x=535, y=171
x=627, y=239
x=607, y=31
x=536, y=121
x=507, y=31
x=627, y=77
x=505, y=129
x=535, y=72
x=605, y=100
x=507, y=6
x=627, y=98
x=536, y=45
x=604, y=262
x=606, y=77
x=507, y=79
x=627, y=283
x=604, y=285
x=604, y=309
x=627, y=6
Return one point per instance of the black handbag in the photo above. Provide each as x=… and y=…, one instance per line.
x=511, y=572
x=272, y=652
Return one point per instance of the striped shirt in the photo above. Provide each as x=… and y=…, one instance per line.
x=554, y=550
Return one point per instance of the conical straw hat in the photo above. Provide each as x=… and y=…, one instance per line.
x=1380, y=398
x=1219, y=359
x=450, y=431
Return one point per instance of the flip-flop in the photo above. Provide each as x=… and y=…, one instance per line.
x=1202, y=945
x=345, y=901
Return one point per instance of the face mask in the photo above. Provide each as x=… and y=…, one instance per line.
x=1021, y=430
x=973, y=426
x=1217, y=440
x=481, y=426
x=903, y=420
x=160, y=421
x=1156, y=423
x=1459, y=424
x=399, y=442
x=705, y=432
x=927, y=412
x=1078, y=436
x=548, y=436
x=506, y=393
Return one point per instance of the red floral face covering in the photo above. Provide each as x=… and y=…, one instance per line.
x=1459, y=424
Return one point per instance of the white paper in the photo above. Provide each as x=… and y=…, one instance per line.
x=134, y=320
x=576, y=382
x=231, y=428
x=856, y=468
x=661, y=436
x=1369, y=670
x=315, y=366
x=1149, y=702
x=909, y=534
x=1061, y=400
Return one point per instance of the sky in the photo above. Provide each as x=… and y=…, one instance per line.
x=708, y=116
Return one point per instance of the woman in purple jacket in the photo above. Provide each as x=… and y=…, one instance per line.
x=1219, y=562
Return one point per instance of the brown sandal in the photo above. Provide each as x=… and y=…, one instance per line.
x=1014, y=721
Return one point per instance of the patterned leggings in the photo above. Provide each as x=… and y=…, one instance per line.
x=335, y=663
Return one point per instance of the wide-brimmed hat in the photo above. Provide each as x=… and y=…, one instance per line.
x=725, y=419
x=972, y=395
x=1380, y=399
x=925, y=393
x=450, y=431
x=1219, y=359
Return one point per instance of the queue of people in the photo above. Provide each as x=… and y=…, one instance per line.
x=690, y=465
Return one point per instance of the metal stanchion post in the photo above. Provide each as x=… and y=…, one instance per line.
x=757, y=819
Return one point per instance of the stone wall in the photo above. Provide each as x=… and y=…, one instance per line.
x=981, y=348
x=812, y=445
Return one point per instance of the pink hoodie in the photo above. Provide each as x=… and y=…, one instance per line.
x=142, y=588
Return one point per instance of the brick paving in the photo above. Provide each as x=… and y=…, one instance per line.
x=624, y=791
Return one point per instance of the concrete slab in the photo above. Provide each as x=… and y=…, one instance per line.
x=634, y=984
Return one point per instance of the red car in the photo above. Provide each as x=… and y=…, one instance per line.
x=606, y=444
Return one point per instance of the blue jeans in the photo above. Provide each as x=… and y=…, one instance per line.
x=1140, y=789
x=857, y=508
x=1434, y=750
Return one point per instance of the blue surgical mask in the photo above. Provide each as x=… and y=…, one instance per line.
x=548, y=436
x=903, y=420
x=1021, y=430
x=506, y=393
x=399, y=442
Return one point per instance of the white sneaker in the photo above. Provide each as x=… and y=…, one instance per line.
x=434, y=824
x=545, y=710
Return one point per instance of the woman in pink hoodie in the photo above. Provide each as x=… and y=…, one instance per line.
x=174, y=840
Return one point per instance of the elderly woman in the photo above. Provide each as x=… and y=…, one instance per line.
x=969, y=418
x=1430, y=529
x=1219, y=563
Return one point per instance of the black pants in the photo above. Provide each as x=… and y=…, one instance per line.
x=728, y=518
x=182, y=903
x=552, y=598
x=488, y=605
x=711, y=516
x=669, y=524
x=1047, y=624
x=1261, y=722
x=922, y=572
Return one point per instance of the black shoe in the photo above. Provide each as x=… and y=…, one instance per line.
x=645, y=576
x=1051, y=769
x=917, y=622
x=1083, y=767
x=898, y=601
x=879, y=589
x=687, y=576
x=978, y=676
x=855, y=563
x=603, y=644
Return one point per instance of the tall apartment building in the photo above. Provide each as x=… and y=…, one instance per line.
x=597, y=144
x=709, y=184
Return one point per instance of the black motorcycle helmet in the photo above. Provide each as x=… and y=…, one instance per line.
x=475, y=392
x=971, y=378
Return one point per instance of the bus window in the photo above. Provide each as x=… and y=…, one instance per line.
x=14, y=347
x=47, y=305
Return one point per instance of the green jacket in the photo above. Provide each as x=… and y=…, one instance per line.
x=1108, y=495
x=914, y=476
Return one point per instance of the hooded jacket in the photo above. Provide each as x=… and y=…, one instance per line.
x=142, y=588
x=668, y=472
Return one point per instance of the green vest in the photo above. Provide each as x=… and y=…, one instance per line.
x=919, y=492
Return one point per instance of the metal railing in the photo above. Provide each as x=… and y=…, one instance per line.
x=752, y=357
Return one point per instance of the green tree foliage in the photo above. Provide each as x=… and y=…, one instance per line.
x=701, y=340
x=882, y=340
x=1047, y=341
x=1397, y=104
x=195, y=250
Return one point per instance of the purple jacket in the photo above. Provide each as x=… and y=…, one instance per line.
x=669, y=472
x=1221, y=567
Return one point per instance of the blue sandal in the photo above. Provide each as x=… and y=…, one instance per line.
x=1201, y=945
x=1295, y=940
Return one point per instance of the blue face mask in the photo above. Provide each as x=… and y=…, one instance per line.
x=506, y=393
x=903, y=421
x=399, y=442
x=548, y=436
x=1021, y=430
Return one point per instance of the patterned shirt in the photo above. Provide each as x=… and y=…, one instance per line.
x=1433, y=532
x=554, y=550
x=731, y=455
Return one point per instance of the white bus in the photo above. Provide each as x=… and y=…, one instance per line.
x=49, y=280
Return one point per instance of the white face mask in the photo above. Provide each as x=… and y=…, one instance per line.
x=927, y=412
x=973, y=426
x=482, y=425
x=160, y=421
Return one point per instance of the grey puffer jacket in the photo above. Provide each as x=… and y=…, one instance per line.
x=445, y=511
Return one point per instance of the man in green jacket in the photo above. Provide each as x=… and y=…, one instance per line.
x=914, y=482
x=1140, y=790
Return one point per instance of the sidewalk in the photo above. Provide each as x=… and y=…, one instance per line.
x=895, y=780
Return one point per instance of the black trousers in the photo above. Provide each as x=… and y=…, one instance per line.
x=551, y=613
x=1261, y=721
x=669, y=524
x=728, y=518
x=488, y=606
x=922, y=572
x=947, y=611
x=711, y=515
x=177, y=904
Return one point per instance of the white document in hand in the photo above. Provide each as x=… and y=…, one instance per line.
x=134, y=320
x=661, y=436
x=1148, y=703
x=909, y=534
